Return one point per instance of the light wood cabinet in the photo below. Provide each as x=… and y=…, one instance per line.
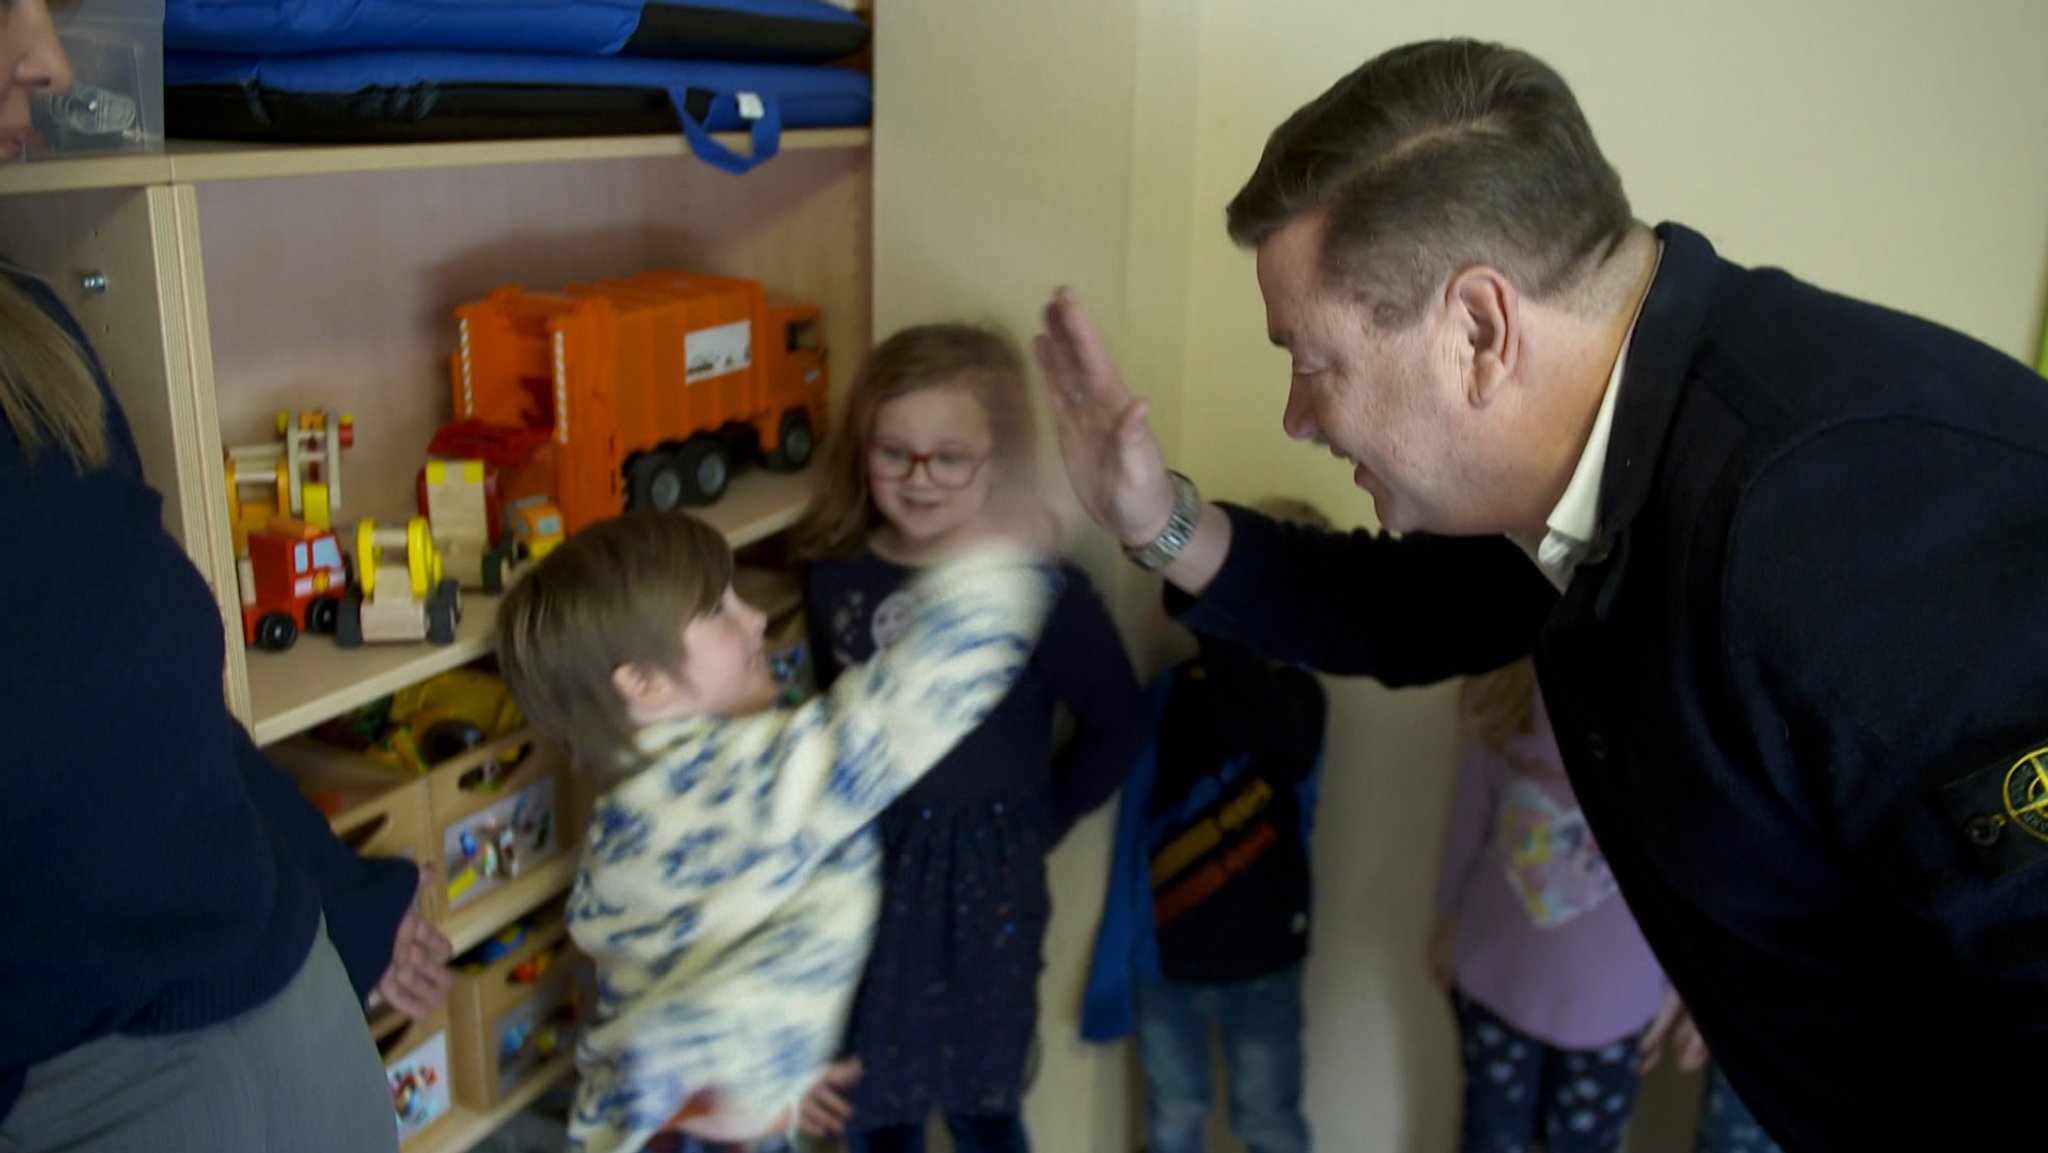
x=221, y=283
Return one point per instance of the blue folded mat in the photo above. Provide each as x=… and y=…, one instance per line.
x=754, y=30
x=385, y=97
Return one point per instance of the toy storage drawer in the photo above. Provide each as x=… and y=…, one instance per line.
x=515, y=1014
x=498, y=811
x=374, y=809
x=417, y=1067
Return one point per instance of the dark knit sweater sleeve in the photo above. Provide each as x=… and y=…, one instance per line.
x=1403, y=610
x=363, y=899
x=1084, y=659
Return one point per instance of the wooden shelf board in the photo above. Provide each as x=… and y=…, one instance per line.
x=316, y=679
x=462, y=1128
x=77, y=173
x=205, y=161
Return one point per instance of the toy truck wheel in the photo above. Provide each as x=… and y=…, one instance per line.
x=494, y=569
x=275, y=632
x=794, y=443
x=444, y=608
x=704, y=466
x=348, y=623
x=322, y=614
x=654, y=481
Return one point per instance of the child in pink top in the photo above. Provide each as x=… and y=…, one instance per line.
x=1552, y=982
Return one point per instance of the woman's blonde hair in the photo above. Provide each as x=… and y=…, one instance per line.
x=48, y=393
x=978, y=360
x=617, y=593
x=1496, y=707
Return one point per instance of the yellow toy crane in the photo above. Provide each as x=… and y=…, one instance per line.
x=299, y=473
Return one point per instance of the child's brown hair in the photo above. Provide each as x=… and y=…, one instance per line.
x=619, y=592
x=980, y=360
x=1499, y=706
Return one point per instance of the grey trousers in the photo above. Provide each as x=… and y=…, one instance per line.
x=297, y=1073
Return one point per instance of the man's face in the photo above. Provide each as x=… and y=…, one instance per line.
x=1391, y=404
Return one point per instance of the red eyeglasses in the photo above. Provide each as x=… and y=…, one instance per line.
x=947, y=468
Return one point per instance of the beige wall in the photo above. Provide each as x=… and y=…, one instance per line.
x=1887, y=148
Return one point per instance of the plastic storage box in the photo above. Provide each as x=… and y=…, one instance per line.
x=116, y=103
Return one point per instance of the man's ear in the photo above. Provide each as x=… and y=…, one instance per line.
x=648, y=691
x=1486, y=312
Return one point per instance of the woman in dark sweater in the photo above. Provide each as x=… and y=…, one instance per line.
x=166, y=981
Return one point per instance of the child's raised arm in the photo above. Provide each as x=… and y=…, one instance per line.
x=839, y=759
x=750, y=805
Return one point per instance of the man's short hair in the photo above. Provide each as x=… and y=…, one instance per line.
x=1436, y=157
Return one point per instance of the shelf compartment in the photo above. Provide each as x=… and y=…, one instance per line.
x=316, y=679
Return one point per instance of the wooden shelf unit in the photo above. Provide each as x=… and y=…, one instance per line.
x=220, y=283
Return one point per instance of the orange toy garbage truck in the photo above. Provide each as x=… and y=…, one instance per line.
x=645, y=390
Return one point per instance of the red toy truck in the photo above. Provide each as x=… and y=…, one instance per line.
x=293, y=578
x=638, y=392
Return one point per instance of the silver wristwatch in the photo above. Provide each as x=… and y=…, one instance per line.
x=1180, y=527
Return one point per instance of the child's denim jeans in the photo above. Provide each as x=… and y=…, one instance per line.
x=1261, y=1025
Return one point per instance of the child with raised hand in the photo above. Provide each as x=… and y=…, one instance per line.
x=937, y=427
x=728, y=888
x=1553, y=984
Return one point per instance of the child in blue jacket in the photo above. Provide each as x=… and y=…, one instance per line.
x=1206, y=922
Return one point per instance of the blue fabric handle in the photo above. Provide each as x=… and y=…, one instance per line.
x=765, y=131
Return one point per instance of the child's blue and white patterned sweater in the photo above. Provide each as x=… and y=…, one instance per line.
x=728, y=892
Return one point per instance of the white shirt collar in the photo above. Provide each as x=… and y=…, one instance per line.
x=1574, y=523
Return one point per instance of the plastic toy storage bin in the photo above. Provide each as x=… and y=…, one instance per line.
x=417, y=1067
x=116, y=103
x=508, y=1023
x=499, y=811
x=377, y=810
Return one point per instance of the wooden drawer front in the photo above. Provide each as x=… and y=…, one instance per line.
x=492, y=821
x=418, y=1067
x=512, y=1021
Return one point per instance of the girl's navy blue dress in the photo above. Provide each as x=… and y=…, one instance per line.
x=948, y=1004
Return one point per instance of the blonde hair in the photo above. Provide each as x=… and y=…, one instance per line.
x=978, y=360
x=48, y=392
x=1495, y=708
x=1294, y=510
x=617, y=593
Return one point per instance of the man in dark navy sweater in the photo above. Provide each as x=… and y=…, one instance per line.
x=1778, y=554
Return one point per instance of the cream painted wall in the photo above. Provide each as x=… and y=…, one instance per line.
x=1882, y=147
